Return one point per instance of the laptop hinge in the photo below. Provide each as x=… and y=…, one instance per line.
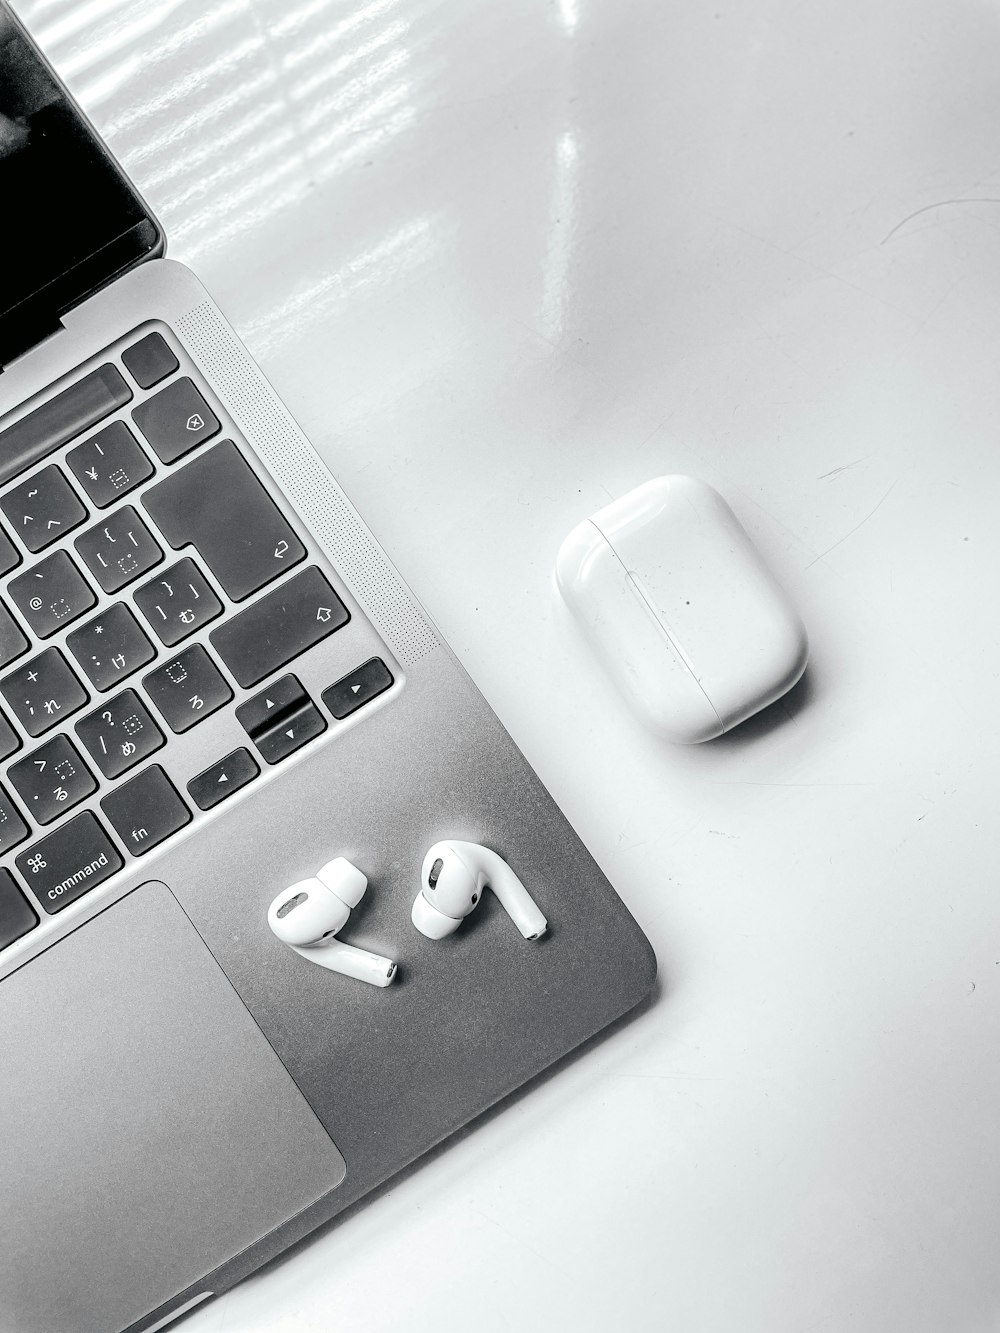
x=37, y=318
x=29, y=333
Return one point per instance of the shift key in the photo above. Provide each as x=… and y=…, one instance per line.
x=280, y=625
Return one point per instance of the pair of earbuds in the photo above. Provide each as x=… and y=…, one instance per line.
x=307, y=916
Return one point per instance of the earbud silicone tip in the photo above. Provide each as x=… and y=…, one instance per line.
x=344, y=879
x=429, y=921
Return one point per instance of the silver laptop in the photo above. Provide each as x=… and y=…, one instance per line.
x=213, y=682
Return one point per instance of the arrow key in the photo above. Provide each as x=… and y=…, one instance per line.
x=363, y=684
x=222, y=779
x=281, y=698
x=290, y=734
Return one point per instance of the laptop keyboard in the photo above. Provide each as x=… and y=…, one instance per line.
x=149, y=578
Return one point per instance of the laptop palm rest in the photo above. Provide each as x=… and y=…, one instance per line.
x=160, y=1133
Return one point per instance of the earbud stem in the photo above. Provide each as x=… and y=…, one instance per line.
x=528, y=920
x=350, y=962
x=515, y=898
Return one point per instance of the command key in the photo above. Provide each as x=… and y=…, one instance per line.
x=69, y=862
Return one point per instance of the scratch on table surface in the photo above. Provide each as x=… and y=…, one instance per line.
x=808, y=263
x=774, y=519
x=520, y=1240
x=928, y=208
x=628, y=846
x=778, y=347
x=844, y=467
x=940, y=302
x=853, y=530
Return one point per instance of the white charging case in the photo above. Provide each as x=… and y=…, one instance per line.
x=678, y=604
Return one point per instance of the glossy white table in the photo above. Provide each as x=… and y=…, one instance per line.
x=505, y=261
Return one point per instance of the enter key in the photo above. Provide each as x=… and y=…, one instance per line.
x=218, y=504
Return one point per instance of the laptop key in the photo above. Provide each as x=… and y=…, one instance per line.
x=261, y=712
x=188, y=688
x=212, y=787
x=52, y=779
x=43, y=692
x=54, y=424
x=120, y=550
x=290, y=734
x=179, y=602
x=17, y=916
x=146, y=810
x=9, y=739
x=13, y=829
x=109, y=464
x=111, y=646
x=176, y=420
x=121, y=734
x=149, y=360
x=280, y=719
x=357, y=688
x=217, y=504
x=280, y=625
x=12, y=642
x=73, y=859
x=43, y=508
x=9, y=556
x=51, y=594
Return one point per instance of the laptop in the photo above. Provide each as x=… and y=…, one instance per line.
x=212, y=684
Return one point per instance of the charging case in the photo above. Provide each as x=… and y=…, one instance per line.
x=676, y=601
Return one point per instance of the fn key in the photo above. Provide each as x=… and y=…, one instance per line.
x=146, y=810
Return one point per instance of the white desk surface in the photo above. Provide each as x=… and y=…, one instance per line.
x=505, y=261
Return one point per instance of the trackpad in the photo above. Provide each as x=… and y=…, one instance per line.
x=150, y=1132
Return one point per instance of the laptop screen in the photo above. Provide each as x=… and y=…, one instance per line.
x=70, y=221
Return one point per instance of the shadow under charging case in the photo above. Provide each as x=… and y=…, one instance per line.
x=676, y=601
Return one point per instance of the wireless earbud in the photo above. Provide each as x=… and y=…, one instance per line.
x=452, y=880
x=307, y=916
